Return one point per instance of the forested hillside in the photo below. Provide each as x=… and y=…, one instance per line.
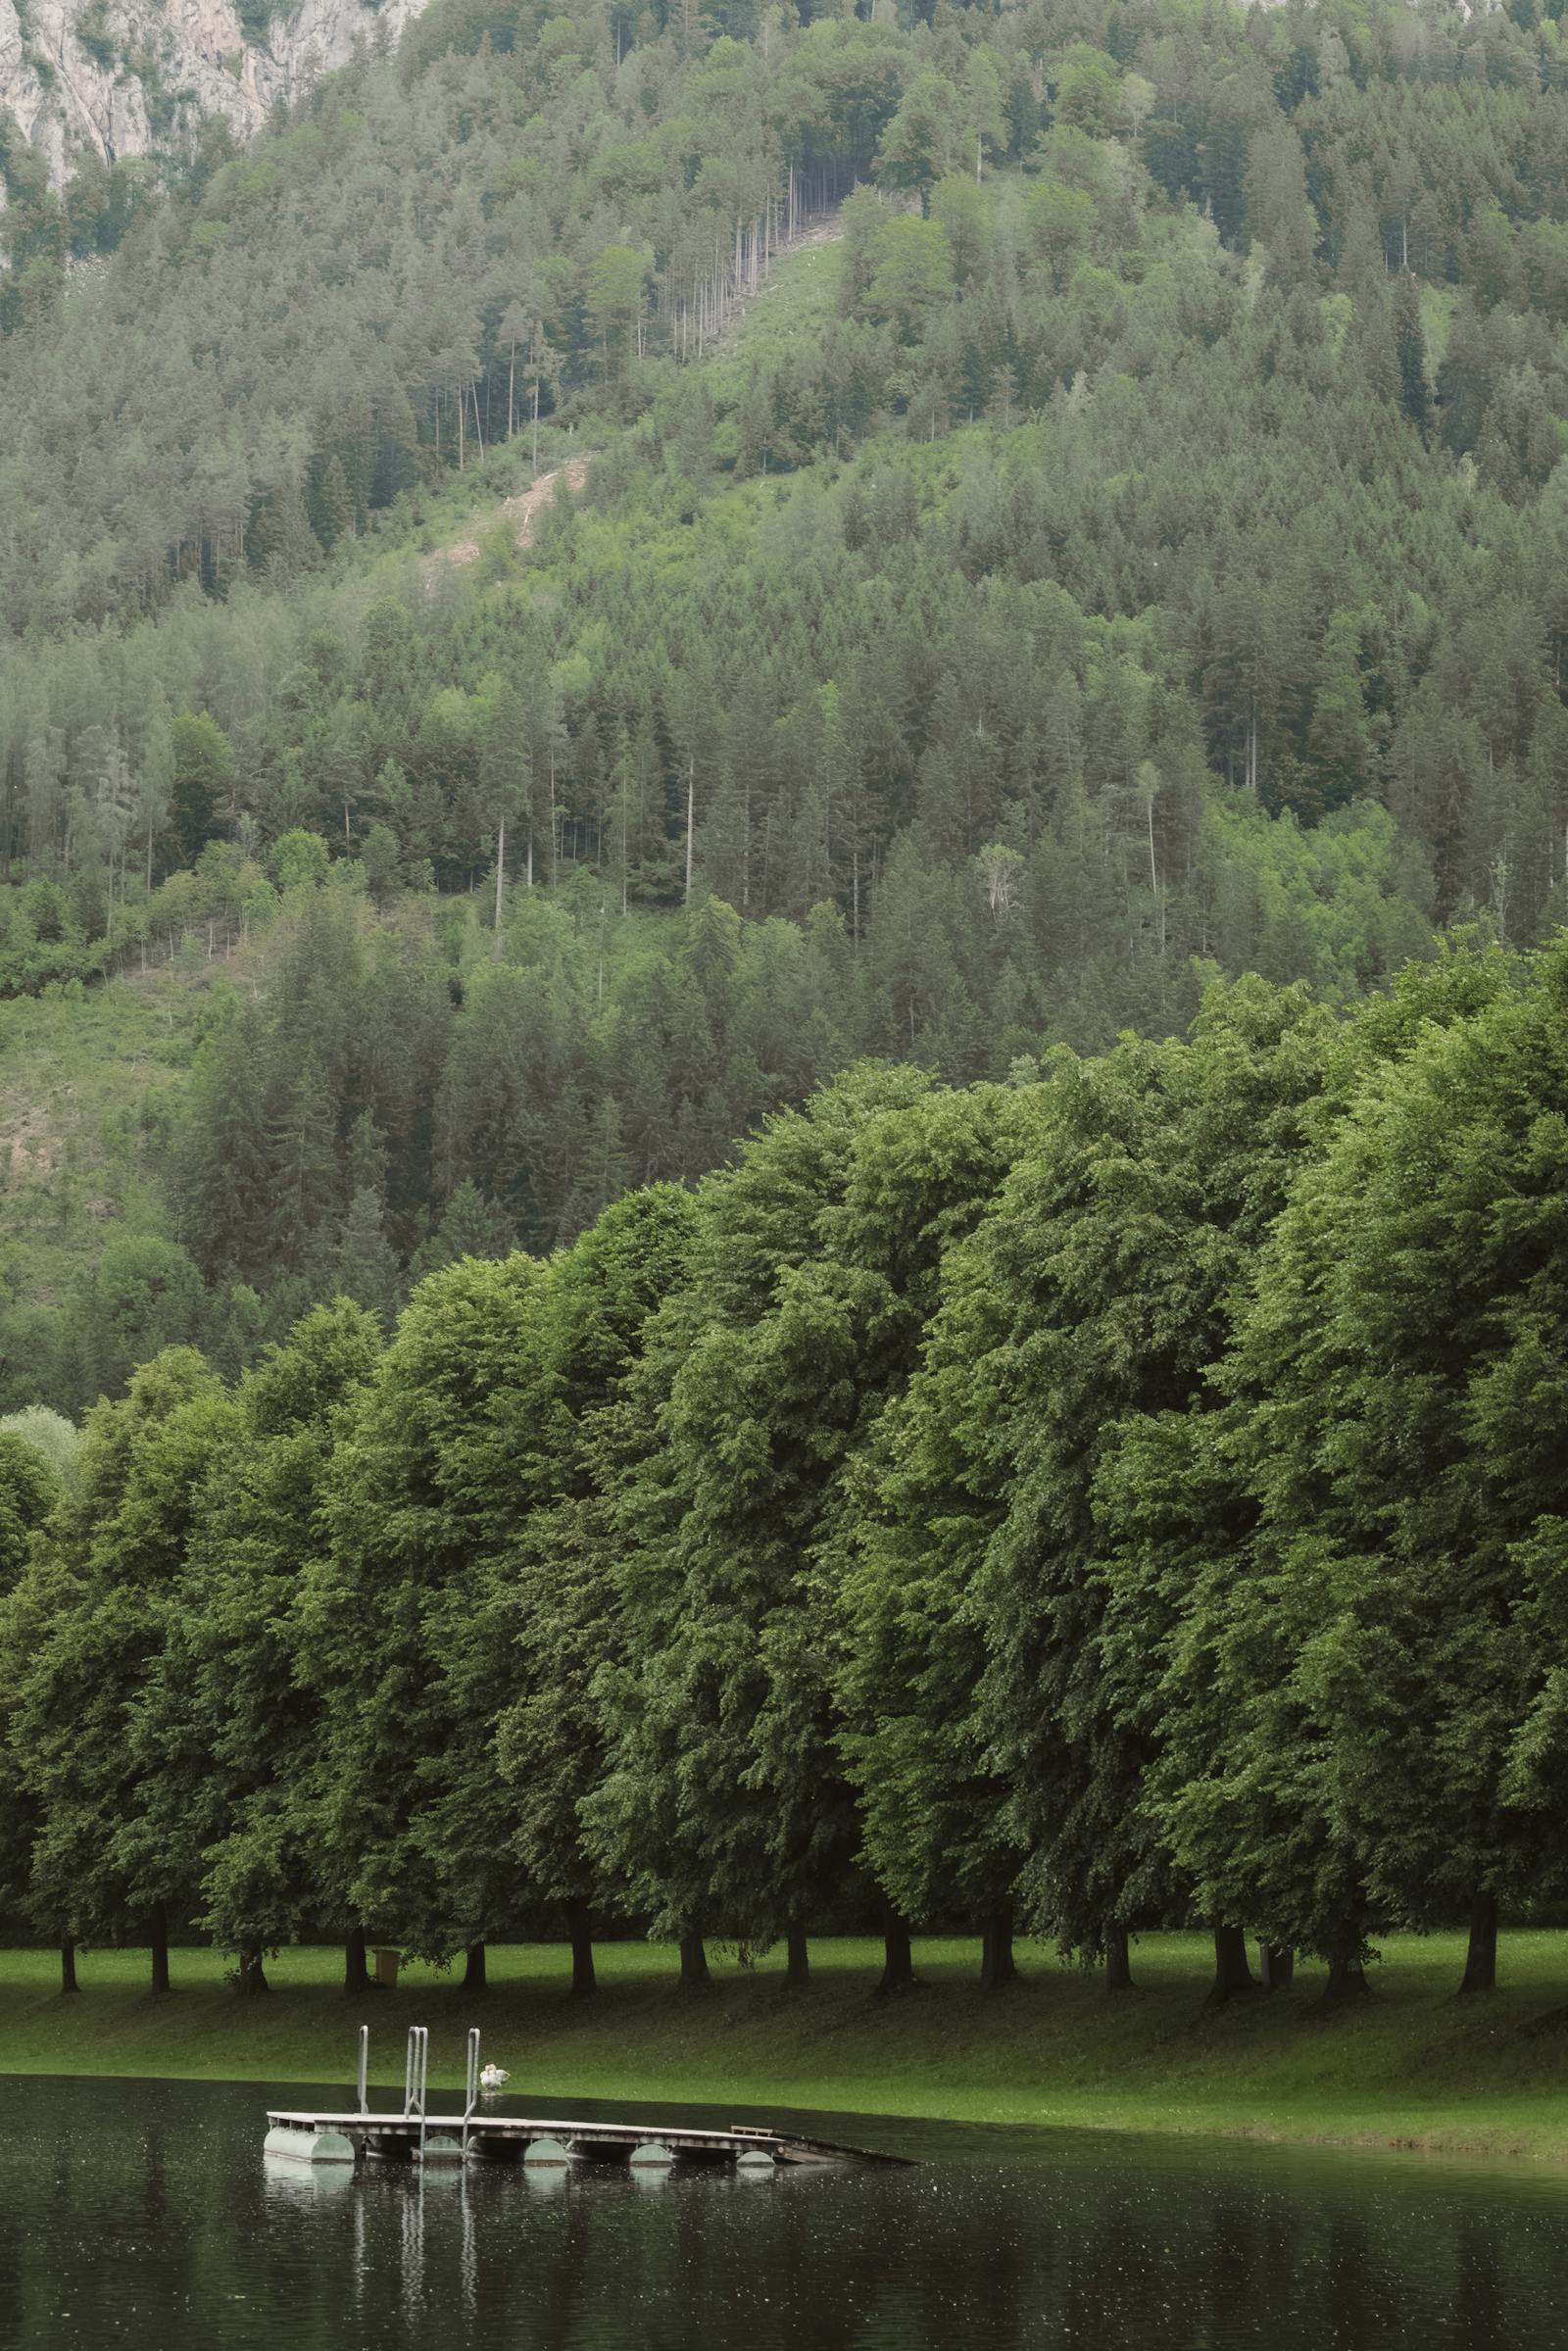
x=1131, y=548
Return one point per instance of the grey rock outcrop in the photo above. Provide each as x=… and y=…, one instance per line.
x=123, y=77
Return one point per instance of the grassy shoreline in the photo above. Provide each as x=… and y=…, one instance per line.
x=1410, y=2067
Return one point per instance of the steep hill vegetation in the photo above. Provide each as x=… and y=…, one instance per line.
x=1133, y=549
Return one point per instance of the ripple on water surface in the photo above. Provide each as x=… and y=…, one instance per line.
x=142, y=2213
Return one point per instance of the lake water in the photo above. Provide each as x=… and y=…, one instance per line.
x=142, y=2213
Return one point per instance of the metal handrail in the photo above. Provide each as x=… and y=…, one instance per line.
x=417, y=2077
x=365, y=2068
x=471, y=2091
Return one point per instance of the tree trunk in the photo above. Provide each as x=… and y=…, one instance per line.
x=1346, y=1981
x=355, y=1968
x=997, y=1963
x=580, y=1928
x=798, y=1966
x=252, y=1976
x=694, y=1975
x=1232, y=1973
x=473, y=1969
x=1481, y=1959
x=160, y=1937
x=1279, y=1966
x=68, y=1965
x=1119, y=1958
x=897, y=1963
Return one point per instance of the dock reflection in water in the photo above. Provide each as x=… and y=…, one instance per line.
x=144, y=2214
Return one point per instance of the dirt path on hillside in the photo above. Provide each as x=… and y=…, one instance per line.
x=524, y=512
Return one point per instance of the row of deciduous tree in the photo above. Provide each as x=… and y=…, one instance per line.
x=1118, y=1497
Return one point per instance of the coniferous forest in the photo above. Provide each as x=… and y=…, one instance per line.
x=853, y=1209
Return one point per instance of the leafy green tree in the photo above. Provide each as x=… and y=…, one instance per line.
x=924, y=141
x=112, y=1780
x=49, y=1434
x=912, y=278
x=1217, y=1633
x=553, y=1604
x=1114, y=1254
x=444, y=1450
x=470, y=1226
x=366, y=1267
x=143, y=1294
x=1397, y=1355
x=919, y=1506
x=30, y=1488
x=1089, y=90
x=299, y=859
x=237, y=1665
x=202, y=780
x=616, y=304
x=723, y=1797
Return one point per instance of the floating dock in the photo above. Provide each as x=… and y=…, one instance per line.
x=322, y=2134
x=315, y=2136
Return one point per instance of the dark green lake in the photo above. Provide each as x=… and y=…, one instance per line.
x=142, y=2213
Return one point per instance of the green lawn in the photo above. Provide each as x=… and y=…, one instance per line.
x=1411, y=2066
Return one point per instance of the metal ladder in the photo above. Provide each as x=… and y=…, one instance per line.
x=415, y=2077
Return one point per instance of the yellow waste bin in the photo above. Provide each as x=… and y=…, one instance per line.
x=386, y=1968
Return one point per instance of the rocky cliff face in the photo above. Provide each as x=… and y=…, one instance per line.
x=125, y=76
